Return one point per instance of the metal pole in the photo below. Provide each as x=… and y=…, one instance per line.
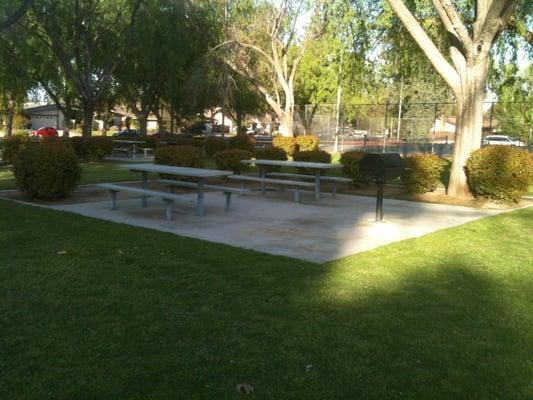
x=490, y=119
x=385, y=126
x=400, y=110
x=434, y=129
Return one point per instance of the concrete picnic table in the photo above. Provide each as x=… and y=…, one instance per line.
x=134, y=144
x=199, y=173
x=317, y=168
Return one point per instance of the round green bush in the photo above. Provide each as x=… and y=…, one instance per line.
x=500, y=173
x=319, y=156
x=11, y=146
x=230, y=160
x=214, y=144
x=47, y=170
x=287, y=143
x=350, y=164
x=180, y=156
x=422, y=173
x=307, y=142
x=92, y=148
x=271, y=153
x=242, y=142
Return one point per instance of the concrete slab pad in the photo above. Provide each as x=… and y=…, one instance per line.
x=316, y=231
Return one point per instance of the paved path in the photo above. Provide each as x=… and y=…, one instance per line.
x=313, y=231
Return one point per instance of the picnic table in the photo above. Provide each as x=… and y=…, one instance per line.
x=134, y=144
x=316, y=167
x=200, y=174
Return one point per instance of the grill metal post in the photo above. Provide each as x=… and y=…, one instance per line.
x=379, y=202
x=379, y=168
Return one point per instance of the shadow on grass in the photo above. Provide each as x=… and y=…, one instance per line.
x=132, y=313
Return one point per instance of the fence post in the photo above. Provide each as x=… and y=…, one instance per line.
x=385, y=126
x=434, y=129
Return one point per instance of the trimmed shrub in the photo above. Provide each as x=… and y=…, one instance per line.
x=242, y=142
x=422, y=173
x=320, y=156
x=92, y=148
x=350, y=164
x=271, y=153
x=47, y=170
x=230, y=160
x=11, y=147
x=307, y=142
x=500, y=173
x=180, y=156
x=287, y=143
x=214, y=144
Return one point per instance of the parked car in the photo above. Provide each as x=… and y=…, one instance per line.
x=47, y=131
x=127, y=133
x=502, y=140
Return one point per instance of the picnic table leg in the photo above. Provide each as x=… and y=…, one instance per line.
x=317, y=185
x=200, y=198
x=144, y=201
x=262, y=172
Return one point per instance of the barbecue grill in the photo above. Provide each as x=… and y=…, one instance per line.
x=379, y=168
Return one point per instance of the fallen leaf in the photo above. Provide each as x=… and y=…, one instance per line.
x=61, y=252
x=308, y=367
x=245, y=387
x=119, y=251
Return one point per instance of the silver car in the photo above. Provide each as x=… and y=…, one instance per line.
x=502, y=140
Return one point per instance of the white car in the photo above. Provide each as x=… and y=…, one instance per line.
x=502, y=140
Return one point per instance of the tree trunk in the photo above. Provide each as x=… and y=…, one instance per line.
x=160, y=120
x=9, y=121
x=469, y=124
x=105, y=123
x=88, y=113
x=66, y=124
x=142, y=119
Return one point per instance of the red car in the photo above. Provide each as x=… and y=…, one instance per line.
x=45, y=132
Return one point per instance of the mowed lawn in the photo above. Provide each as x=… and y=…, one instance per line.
x=96, y=310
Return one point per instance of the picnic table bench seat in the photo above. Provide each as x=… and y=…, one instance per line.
x=295, y=185
x=228, y=191
x=167, y=197
x=333, y=179
x=122, y=150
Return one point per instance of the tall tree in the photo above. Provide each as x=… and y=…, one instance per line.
x=265, y=47
x=90, y=39
x=470, y=42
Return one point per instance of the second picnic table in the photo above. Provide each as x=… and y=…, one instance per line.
x=317, y=167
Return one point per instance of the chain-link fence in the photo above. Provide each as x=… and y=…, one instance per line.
x=408, y=127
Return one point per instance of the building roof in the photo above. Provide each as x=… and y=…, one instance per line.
x=34, y=109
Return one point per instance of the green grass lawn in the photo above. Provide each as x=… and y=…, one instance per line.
x=128, y=313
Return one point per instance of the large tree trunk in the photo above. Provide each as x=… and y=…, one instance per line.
x=469, y=124
x=142, y=119
x=66, y=124
x=88, y=114
x=9, y=121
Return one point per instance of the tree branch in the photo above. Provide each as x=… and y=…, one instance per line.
x=13, y=19
x=439, y=62
x=453, y=23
